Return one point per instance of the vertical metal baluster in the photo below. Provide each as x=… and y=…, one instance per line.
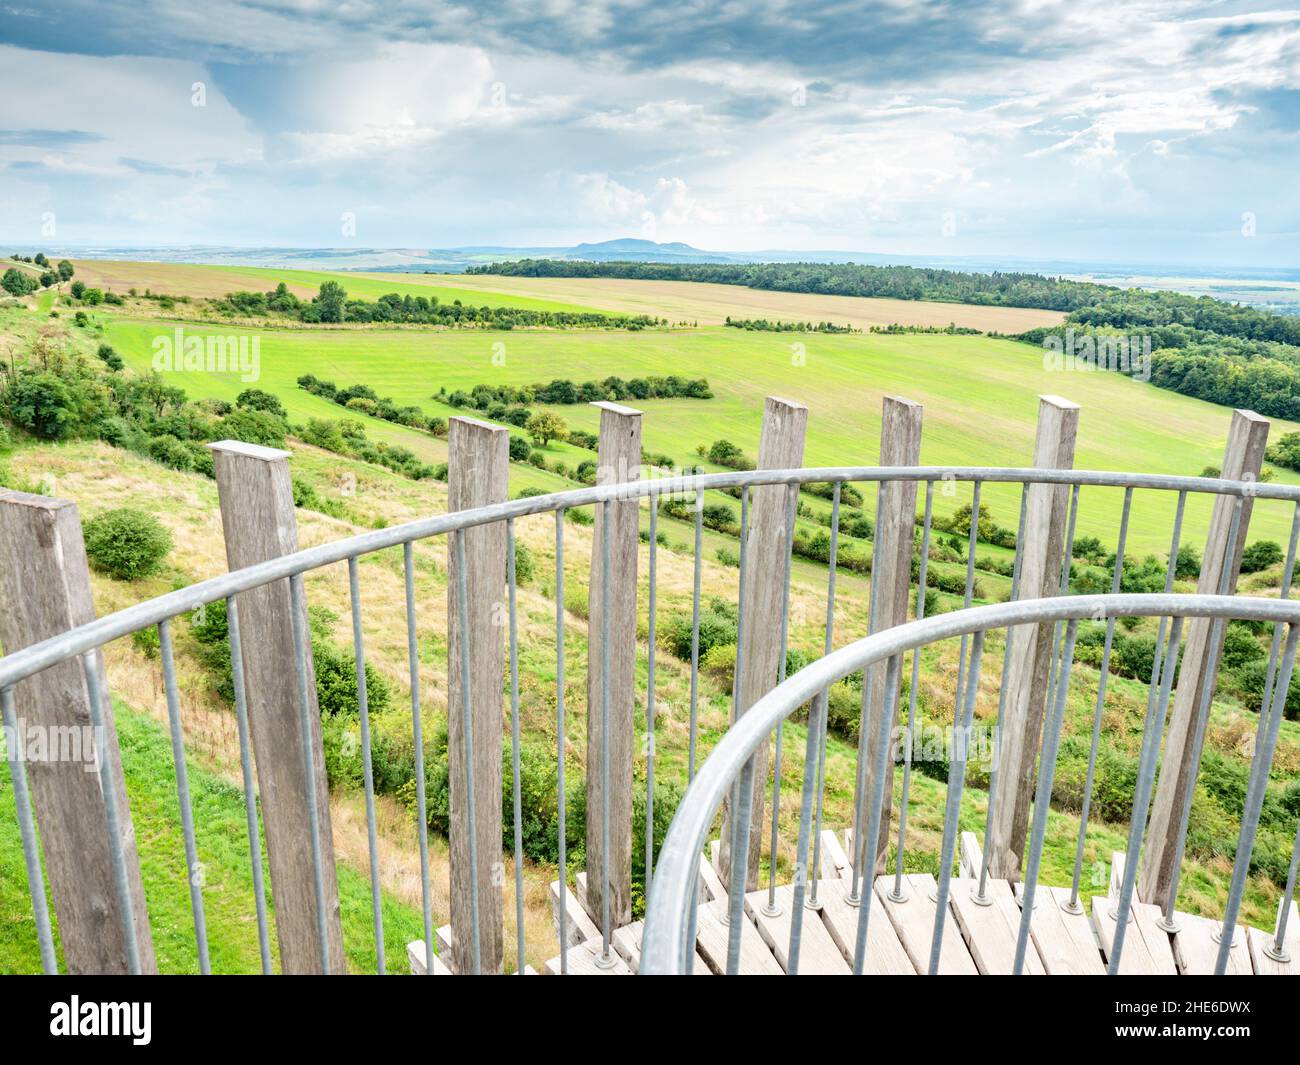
x=1255, y=801
x=805, y=818
x=970, y=589
x=27, y=829
x=1074, y=905
x=514, y=752
x=246, y=767
x=962, y=727
x=688, y=946
x=1043, y=799
x=856, y=860
x=298, y=610
x=772, y=910
x=607, y=515
x=417, y=733
x=1169, y=919
x=367, y=768
x=741, y=819
x=113, y=824
x=896, y=894
x=1152, y=731
x=467, y=728
x=981, y=896
x=1067, y=558
x=695, y=632
x=871, y=836
x=193, y=869
x=650, y=716
x=559, y=736
x=1289, y=572
x=738, y=668
x=1277, y=950
x=821, y=707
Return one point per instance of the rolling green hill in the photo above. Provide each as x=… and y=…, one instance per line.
x=980, y=396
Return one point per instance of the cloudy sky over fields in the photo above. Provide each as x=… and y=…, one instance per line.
x=1148, y=131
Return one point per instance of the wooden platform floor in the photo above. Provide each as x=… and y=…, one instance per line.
x=978, y=938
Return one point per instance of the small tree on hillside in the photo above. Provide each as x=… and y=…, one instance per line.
x=544, y=426
x=66, y=270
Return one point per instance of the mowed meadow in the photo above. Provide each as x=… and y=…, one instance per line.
x=980, y=396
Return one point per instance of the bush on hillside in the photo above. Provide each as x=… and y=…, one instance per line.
x=126, y=544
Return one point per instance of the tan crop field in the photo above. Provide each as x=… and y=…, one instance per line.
x=678, y=301
x=710, y=304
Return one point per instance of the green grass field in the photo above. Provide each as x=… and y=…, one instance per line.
x=980, y=397
x=222, y=839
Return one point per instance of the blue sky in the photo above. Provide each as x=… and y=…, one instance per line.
x=1143, y=131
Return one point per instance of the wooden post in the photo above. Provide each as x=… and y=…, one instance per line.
x=257, y=517
x=619, y=461
x=891, y=573
x=478, y=464
x=1031, y=645
x=45, y=591
x=758, y=656
x=1242, y=459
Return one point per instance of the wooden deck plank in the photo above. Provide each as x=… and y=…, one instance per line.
x=1066, y=941
x=835, y=859
x=415, y=953
x=578, y=925
x=991, y=930
x=713, y=885
x=885, y=954
x=582, y=962
x=818, y=953
x=1147, y=950
x=627, y=941
x=1259, y=939
x=913, y=920
x=1196, y=950
x=713, y=934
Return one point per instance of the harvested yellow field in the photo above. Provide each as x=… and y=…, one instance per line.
x=710, y=304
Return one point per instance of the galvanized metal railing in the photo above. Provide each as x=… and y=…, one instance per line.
x=671, y=903
x=670, y=930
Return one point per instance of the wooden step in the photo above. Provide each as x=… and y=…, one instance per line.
x=713, y=934
x=818, y=954
x=627, y=941
x=582, y=962
x=885, y=954
x=1196, y=948
x=415, y=954
x=1066, y=941
x=991, y=930
x=913, y=920
x=1259, y=940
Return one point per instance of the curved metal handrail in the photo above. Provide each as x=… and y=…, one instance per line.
x=668, y=912
x=29, y=660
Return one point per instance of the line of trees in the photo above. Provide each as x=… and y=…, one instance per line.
x=331, y=305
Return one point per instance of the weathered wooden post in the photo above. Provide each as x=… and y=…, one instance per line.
x=891, y=573
x=1242, y=460
x=478, y=464
x=45, y=591
x=1031, y=648
x=619, y=460
x=257, y=518
x=758, y=655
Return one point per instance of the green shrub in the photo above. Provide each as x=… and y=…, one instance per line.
x=171, y=452
x=43, y=404
x=1260, y=555
x=126, y=544
x=717, y=627
x=1250, y=681
x=1240, y=646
